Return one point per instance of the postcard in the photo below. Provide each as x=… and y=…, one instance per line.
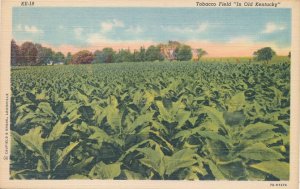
x=149, y=94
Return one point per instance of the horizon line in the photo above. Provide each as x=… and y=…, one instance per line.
x=213, y=49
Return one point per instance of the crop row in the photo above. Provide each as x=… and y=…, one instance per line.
x=151, y=121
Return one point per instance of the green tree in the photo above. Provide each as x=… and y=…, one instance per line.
x=153, y=53
x=184, y=53
x=201, y=53
x=44, y=55
x=14, y=54
x=68, y=58
x=124, y=56
x=28, y=54
x=140, y=56
x=108, y=55
x=58, y=57
x=264, y=54
x=98, y=57
x=82, y=57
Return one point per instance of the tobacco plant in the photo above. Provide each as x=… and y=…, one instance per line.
x=159, y=121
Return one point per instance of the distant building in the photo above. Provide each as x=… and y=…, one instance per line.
x=195, y=55
x=58, y=63
x=168, y=52
x=51, y=63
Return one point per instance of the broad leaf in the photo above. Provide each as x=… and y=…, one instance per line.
x=251, y=131
x=104, y=171
x=57, y=130
x=276, y=168
x=65, y=153
x=260, y=152
x=181, y=159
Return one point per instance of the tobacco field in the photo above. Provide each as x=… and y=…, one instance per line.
x=157, y=121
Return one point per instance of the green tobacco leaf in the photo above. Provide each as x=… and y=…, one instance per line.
x=236, y=102
x=153, y=159
x=137, y=96
x=99, y=115
x=234, y=170
x=255, y=175
x=180, y=159
x=214, y=136
x=79, y=167
x=136, y=148
x=65, y=153
x=165, y=115
x=219, y=149
x=166, y=143
x=15, y=144
x=46, y=108
x=149, y=98
x=206, y=134
x=34, y=141
x=198, y=169
x=22, y=174
x=263, y=136
x=276, y=168
x=82, y=97
x=41, y=166
x=130, y=175
x=260, y=152
x=160, y=127
x=113, y=117
x=98, y=134
x=140, y=120
x=253, y=130
x=104, y=171
x=215, y=116
x=283, y=124
x=57, y=130
x=73, y=116
x=42, y=95
x=215, y=171
x=16, y=136
x=78, y=176
x=181, y=117
x=70, y=106
x=234, y=118
x=21, y=120
x=101, y=136
x=83, y=127
x=113, y=101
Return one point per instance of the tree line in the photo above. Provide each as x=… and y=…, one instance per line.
x=30, y=54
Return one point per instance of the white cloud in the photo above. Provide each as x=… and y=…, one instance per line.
x=134, y=29
x=106, y=27
x=78, y=32
x=196, y=29
x=95, y=38
x=29, y=29
x=202, y=27
x=272, y=27
x=19, y=27
x=32, y=29
x=102, y=40
x=110, y=25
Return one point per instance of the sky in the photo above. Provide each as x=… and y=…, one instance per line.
x=221, y=32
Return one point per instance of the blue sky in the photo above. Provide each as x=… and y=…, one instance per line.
x=120, y=27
